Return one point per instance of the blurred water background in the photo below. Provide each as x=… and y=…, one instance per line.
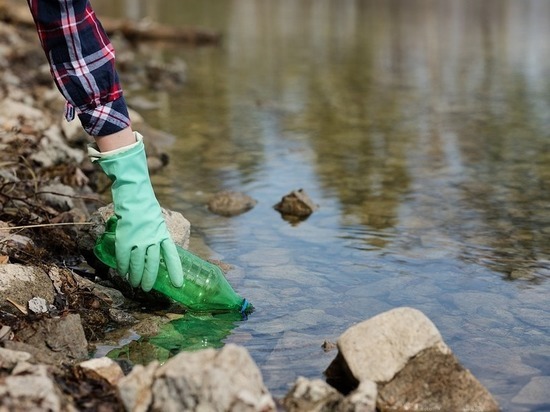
x=422, y=130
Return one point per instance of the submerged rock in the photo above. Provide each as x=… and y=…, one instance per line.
x=297, y=205
x=536, y=392
x=228, y=203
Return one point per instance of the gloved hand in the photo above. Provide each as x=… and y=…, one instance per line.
x=141, y=236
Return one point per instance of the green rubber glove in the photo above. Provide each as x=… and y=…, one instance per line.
x=141, y=236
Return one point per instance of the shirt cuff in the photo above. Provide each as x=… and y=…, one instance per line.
x=105, y=119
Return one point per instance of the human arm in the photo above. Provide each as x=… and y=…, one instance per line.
x=82, y=63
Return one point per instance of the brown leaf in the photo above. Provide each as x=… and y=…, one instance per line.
x=4, y=259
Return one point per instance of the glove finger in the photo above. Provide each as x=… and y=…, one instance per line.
x=137, y=263
x=152, y=261
x=122, y=259
x=173, y=263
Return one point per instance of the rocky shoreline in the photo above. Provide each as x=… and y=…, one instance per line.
x=53, y=308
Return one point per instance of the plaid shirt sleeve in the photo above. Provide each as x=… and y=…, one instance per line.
x=82, y=62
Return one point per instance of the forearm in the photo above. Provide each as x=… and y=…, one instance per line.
x=123, y=138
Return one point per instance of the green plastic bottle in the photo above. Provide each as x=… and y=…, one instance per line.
x=205, y=288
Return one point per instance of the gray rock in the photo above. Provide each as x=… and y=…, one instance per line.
x=435, y=381
x=88, y=234
x=110, y=295
x=378, y=348
x=37, y=305
x=362, y=399
x=10, y=358
x=21, y=283
x=209, y=380
x=297, y=204
x=38, y=354
x=403, y=352
x=135, y=390
x=229, y=203
x=30, y=388
x=54, y=340
x=178, y=226
x=313, y=396
x=536, y=392
x=121, y=317
x=155, y=164
x=102, y=369
x=318, y=396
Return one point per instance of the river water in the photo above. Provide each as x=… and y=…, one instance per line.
x=421, y=128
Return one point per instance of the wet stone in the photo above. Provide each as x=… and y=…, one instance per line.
x=379, y=347
x=328, y=346
x=496, y=360
x=474, y=302
x=112, y=296
x=140, y=352
x=291, y=274
x=121, y=317
x=229, y=203
x=535, y=393
x=267, y=257
x=535, y=317
x=296, y=206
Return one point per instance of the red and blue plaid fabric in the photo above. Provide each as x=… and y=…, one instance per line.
x=82, y=62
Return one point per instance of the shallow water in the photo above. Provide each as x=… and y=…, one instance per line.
x=422, y=130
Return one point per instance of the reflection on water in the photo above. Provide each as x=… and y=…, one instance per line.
x=190, y=332
x=421, y=128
